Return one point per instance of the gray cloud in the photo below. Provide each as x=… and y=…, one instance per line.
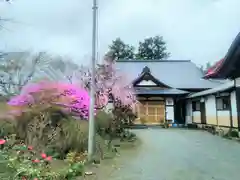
x=198, y=30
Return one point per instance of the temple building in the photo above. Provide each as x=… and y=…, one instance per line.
x=176, y=91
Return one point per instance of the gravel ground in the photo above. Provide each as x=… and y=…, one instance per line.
x=175, y=154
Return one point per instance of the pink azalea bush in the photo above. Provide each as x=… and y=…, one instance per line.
x=69, y=97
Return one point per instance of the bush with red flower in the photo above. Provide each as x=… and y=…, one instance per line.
x=24, y=162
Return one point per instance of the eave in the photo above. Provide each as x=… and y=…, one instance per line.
x=171, y=91
x=230, y=63
x=221, y=88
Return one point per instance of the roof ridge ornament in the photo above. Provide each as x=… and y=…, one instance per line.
x=146, y=69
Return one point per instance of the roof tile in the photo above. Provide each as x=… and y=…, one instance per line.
x=182, y=74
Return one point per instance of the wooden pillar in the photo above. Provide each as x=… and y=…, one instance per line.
x=156, y=114
x=238, y=105
x=147, y=119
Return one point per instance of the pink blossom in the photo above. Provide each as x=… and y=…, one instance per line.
x=36, y=160
x=2, y=141
x=30, y=148
x=43, y=155
x=109, y=82
x=49, y=158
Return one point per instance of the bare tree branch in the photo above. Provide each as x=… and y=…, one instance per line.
x=19, y=68
x=62, y=69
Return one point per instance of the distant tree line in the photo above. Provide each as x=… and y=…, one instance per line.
x=152, y=48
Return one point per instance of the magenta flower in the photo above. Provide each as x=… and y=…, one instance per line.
x=69, y=97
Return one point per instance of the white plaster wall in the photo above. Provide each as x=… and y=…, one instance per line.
x=170, y=113
x=223, y=118
x=237, y=82
x=146, y=83
x=189, y=112
x=211, y=114
x=234, y=109
x=197, y=117
x=170, y=109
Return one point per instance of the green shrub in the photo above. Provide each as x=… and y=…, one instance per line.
x=48, y=129
x=7, y=127
x=124, y=117
x=233, y=133
x=72, y=137
x=103, y=122
x=36, y=126
x=22, y=162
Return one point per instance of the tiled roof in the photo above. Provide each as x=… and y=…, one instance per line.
x=226, y=68
x=160, y=91
x=212, y=70
x=181, y=74
x=220, y=88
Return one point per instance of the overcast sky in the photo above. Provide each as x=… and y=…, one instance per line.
x=199, y=30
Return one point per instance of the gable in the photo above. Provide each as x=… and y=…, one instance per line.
x=147, y=79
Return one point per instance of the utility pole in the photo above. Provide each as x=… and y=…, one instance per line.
x=97, y=55
x=91, y=136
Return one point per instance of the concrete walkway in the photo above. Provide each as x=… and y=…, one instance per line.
x=178, y=154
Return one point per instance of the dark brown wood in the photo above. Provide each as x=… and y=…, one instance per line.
x=216, y=108
x=230, y=112
x=238, y=105
x=180, y=111
x=203, y=113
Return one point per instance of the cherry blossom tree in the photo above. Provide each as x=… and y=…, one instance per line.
x=109, y=83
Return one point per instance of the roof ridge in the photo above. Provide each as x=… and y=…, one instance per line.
x=151, y=60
